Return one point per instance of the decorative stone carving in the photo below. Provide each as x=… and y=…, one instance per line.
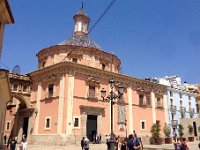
x=121, y=114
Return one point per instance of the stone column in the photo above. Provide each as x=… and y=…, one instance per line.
x=153, y=106
x=61, y=105
x=84, y=124
x=99, y=124
x=39, y=91
x=70, y=104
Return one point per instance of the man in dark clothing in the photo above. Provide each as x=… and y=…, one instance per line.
x=12, y=143
x=130, y=143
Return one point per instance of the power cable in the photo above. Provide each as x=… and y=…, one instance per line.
x=4, y=65
x=102, y=15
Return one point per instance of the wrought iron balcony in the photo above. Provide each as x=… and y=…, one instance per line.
x=191, y=111
x=173, y=109
x=182, y=110
x=174, y=123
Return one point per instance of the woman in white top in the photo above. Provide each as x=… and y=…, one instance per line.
x=24, y=144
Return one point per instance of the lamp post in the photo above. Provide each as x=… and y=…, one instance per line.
x=126, y=127
x=111, y=98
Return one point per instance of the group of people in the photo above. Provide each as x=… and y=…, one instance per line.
x=13, y=142
x=132, y=143
x=97, y=138
x=180, y=144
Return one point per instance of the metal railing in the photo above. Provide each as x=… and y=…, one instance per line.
x=174, y=123
x=173, y=109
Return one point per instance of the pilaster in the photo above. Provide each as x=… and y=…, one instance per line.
x=99, y=124
x=61, y=104
x=130, y=109
x=166, y=108
x=70, y=104
x=153, y=107
x=39, y=91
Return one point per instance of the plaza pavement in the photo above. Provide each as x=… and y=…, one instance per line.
x=192, y=146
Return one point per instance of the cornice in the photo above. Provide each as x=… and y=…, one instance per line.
x=73, y=68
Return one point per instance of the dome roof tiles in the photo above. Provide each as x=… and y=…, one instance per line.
x=80, y=40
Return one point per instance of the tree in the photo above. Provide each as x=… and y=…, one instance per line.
x=155, y=131
x=180, y=130
x=190, y=129
x=167, y=130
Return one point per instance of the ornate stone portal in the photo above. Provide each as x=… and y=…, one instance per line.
x=89, y=110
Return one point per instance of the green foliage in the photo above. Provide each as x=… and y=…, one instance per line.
x=199, y=129
x=180, y=130
x=190, y=129
x=167, y=130
x=155, y=131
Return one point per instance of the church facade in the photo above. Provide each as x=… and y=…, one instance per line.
x=65, y=94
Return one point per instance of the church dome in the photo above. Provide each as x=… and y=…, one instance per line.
x=80, y=40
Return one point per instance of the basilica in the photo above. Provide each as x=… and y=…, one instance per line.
x=61, y=101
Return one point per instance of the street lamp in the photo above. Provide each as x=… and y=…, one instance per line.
x=111, y=97
x=126, y=127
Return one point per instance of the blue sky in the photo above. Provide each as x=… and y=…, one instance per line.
x=153, y=38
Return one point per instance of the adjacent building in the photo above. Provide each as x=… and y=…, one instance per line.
x=65, y=94
x=182, y=105
x=5, y=18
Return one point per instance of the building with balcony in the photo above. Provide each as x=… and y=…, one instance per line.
x=182, y=105
x=66, y=93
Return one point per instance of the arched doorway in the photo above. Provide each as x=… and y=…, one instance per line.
x=18, y=116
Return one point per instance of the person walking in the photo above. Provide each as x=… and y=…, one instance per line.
x=24, y=144
x=82, y=143
x=86, y=143
x=122, y=145
x=184, y=145
x=130, y=143
x=12, y=143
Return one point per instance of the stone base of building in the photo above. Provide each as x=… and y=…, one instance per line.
x=63, y=140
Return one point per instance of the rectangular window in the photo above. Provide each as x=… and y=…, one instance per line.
x=76, y=122
x=92, y=91
x=148, y=100
x=159, y=103
x=197, y=108
x=15, y=87
x=25, y=88
x=47, y=123
x=171, y=101
x=180, y=95
x=50, y=90
x=189, y=97
x=8, y=126
x=74, y=60
x=103, y=66
x=141, y=98
x=170, y=93
x=143, y=125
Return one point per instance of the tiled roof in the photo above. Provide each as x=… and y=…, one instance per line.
x=80, y=40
